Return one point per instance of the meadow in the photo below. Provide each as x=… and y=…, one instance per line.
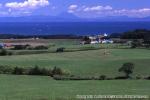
x=80, y=63
x=45, y=88
x=91, y=62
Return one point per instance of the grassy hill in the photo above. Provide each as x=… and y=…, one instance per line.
x=85, y=63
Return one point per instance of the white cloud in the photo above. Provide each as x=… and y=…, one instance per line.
x=144, y=12
x=104, y=11
x=28, y=4
x=72, y=8
x=26, y=7
x=97, y=8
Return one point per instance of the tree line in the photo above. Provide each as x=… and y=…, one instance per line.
x=139, y=37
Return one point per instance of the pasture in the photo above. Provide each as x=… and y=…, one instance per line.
x=80, y=63
x=44, y=88
x=92, y=62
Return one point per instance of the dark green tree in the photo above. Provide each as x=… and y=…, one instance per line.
x=127, y=69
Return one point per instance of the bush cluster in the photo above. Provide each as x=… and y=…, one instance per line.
x=60, y=49
x=18, y=71
x=59, y=77
x=32, y=71
x=136, y=43
x=102, y=77
x=4, y=52
x=20, y=47
x=148, y=77
x=28, y=47
x=6, y=70
x=26, y=52
x=59, y=74
x=39, y=71
x=40, y=47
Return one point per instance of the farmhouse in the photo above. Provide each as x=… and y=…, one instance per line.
x=97, y=39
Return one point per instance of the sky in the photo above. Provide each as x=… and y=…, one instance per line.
x=79, y=8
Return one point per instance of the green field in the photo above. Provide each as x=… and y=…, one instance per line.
x=44, y=88
x=92, y=62
x=84, y=63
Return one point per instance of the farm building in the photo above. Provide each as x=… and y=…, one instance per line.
x=97, y=39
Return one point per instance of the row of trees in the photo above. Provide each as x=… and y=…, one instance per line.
x=29, y=47
x=140, y=43
x=140, y=38
x=59, y=74
x=137, y=34
x=33, y=71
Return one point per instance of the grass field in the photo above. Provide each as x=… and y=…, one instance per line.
x=85, y=63
x=44, y=88
x=92, y=62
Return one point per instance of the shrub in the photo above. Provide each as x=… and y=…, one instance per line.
x=18, y=71
x=39, y=71
x=41, y=47
x=35, y=71
x=56, y=71
x=20, y=47
x=60, y=49
x=102, y=77
x=109, y=78
x=26, y=52
x=148, y=78
x=10, y=53
x=59, y=77
x=6, y=70
x=3, y=52
x=138, y=77
x=66, y=72
x=121, y=77
x=46, y=72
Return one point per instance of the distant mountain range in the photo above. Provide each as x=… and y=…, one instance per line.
x=68, y=17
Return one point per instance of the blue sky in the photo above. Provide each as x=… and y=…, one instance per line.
x=80, y=8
